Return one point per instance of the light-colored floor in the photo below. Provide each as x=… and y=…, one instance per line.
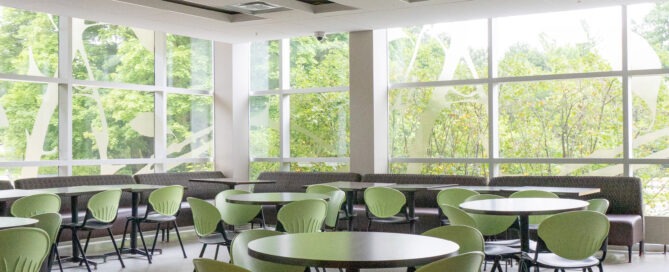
x=172, y=259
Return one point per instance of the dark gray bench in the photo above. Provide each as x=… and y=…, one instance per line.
x=624, y=194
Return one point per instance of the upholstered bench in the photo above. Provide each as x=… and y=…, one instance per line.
x=625, y=202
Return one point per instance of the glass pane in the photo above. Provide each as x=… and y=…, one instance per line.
x=265, y=65
x=655, y=180
x=450, y=122
x=255, y=168
x=112, y=124
x=559, y=43
x=189, y=62
x=28, y=122
x=647, y=39
x=14, y=173
x=468, y=169
x=448, y=51
x=561, y=119
x=319, y=125
x=112, y=169
x=29, y=42
x=651, y=116
x=539, y=169
x=316, y=64
x=319, y=167
x=188, y=167
x=190, y=126
x=108, y=52
x=264, y=137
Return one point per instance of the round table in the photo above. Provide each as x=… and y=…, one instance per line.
x=523, y=208
x=352, y=250
x=13, y=222
x=278, y=199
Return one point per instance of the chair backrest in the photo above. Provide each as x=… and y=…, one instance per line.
x=598, y=205
x=30, y=206
x=469, y=239
x=574, y=235
x=467, y=262
x=23, y=249
x=454, y=196
x=303, y=216
x=384, y=202
x=490, y=225
x=50, y=223
x=209, y=265
x=335, y=200
x=458, y=217
x=235, y=214
x=535, y=219
x=206, y=217
x=103, y=206
x=167, y=200
x=239, y=254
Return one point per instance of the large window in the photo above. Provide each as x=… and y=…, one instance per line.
x=556, y=98
x=126, y=115
x=299, y=105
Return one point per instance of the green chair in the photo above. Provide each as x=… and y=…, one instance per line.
x=453, y=197
x=208, y=265
x=303, y=216
x=600, y=205
x=572, y=238
x=335, y=201
x=240, y=253
x=467, y=262
x=237, y=214
x=50, y=223
x=29, y=206
x=534, y=219
x=164, y=206
x=491, y=225
x=23, y=249
x=208, y=225
x=386, y=205
x=101, y=213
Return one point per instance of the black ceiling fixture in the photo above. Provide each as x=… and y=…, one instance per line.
x=316, y=2
x=200, y=6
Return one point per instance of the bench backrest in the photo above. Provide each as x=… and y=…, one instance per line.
x=66, y=181
x=624, y=193
x=295, y=181
x=424, y=198
x=199, y=190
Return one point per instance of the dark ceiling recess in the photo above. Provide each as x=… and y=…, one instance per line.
x=196, y=5
x=316, y=2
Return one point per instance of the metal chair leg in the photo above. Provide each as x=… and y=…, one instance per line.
x=141, y=236
x=118, y=253
x=81, y=250
x=176, y=229
x=216, y=255
x=204, y=246
x=55, y=250
x=153, y=247
x=125, y=231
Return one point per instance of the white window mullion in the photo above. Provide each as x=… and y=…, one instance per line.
x=160, y=100
x=627, y=100
x=65, y=95
x=493, y=107
x=284, y=103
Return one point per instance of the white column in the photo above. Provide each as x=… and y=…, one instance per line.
x=65, y=96
x=231, y=109
x=160, y=100
x=369, y=101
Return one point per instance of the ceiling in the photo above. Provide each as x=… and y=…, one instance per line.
x=220, y=20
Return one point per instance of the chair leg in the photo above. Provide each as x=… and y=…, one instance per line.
x=216, y=254
x=141, y=237
x=49, y=262
x=629, y=254
x=88, y=239
x=118, y=253
x=369, y=225
x=204, y=246
x=81, y=250
x=176, y=229
x=153, y=247
x=55, y=250
x=125, y=231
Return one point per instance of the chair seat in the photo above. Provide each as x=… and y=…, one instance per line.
x=216, y=238
x=515, y=243
x=91, y=224
x=393, y=220
x=497, y=250
x=551, y=260
x=159, y=218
